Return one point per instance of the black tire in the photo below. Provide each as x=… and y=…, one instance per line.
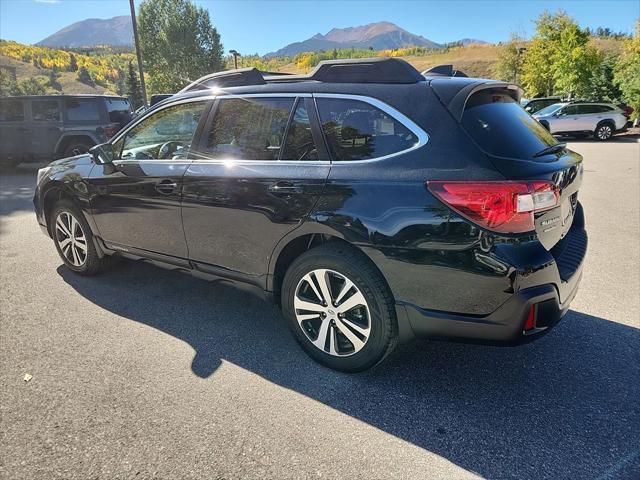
x=92, y=264
x=604, y=131
x=76, y=147
x=355, y=266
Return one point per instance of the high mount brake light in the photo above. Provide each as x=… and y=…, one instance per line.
x=504, y=207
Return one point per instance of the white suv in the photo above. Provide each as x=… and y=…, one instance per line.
x=600, y=119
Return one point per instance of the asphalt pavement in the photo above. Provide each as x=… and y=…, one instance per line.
x=147, y=373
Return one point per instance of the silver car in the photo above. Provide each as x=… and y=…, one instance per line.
x=601, y=120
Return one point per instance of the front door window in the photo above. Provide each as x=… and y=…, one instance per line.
x=165, y=135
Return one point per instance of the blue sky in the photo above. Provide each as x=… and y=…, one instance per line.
x=264, y=26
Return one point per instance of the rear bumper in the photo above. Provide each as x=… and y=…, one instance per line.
x=505, y=326
x=548, y=292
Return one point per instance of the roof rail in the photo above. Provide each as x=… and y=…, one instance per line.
x=365, y=70
x=443, y=71
x=227, y=78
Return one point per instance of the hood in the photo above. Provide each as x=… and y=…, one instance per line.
x=83, y=159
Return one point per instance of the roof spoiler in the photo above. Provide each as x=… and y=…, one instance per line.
x=455, y=97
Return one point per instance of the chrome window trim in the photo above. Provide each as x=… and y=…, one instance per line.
x=423, y=137
x=265, y=95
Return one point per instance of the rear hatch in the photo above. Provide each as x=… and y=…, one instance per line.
x=522, y=149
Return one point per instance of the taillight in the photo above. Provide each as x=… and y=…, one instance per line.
x=505, y=207
x=111, y=129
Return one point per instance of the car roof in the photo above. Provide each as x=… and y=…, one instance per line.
x=391, y=80
x=71, y=95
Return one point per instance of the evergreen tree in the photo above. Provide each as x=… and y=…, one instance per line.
x=53, y=80
x=602, y=86
x=73, y=63
x=85, y=77
x=133, y=88
x=121, y=86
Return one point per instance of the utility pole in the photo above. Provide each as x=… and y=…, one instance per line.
x=138, y=54
x=235, y=57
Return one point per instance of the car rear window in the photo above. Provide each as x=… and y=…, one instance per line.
x=82, y=110
x=119, y=110
x=501, y=127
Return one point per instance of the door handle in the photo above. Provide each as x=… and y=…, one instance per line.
x=166, y=187
x=284, y=188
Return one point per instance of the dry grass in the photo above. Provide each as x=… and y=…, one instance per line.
x=474, y=60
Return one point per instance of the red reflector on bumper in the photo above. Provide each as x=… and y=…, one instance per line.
x=530, y=323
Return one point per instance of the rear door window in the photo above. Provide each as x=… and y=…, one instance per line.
x=299, y=144
x=82, y=110
x=249, y=128
x=587, y=109
x=500, y=126
x=570, y=110
x=357, y=130
x=11, y=110
x=45, y=110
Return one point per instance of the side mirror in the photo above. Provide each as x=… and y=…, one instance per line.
x=102, y=154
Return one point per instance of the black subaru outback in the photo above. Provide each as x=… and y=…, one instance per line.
x=372, y=202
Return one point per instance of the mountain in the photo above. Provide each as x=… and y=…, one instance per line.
x=92, y=32
x=465, y=42
x=379, y=36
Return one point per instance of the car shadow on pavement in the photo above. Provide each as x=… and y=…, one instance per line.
x=16, y=191
x=565, y=406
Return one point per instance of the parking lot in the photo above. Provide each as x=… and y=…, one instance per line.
x=148, y=373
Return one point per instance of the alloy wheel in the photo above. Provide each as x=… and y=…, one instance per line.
x=71, y=239
x=332, y=312
x=604, y=132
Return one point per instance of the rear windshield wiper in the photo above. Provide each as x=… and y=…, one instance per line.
x=550, y=149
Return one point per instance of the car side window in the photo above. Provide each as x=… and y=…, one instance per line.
x=45, y=110
x=299, y=144
x=588, y=109
x=82, y=110
x=11, y=111
x=249, y=128
x=164, y=135
x=356, y=130
x=602, y=108
x=570, y=110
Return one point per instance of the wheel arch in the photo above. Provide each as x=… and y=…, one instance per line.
x=50, y=198
x=303, y=239
x=68, y=137
x=608, y=121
